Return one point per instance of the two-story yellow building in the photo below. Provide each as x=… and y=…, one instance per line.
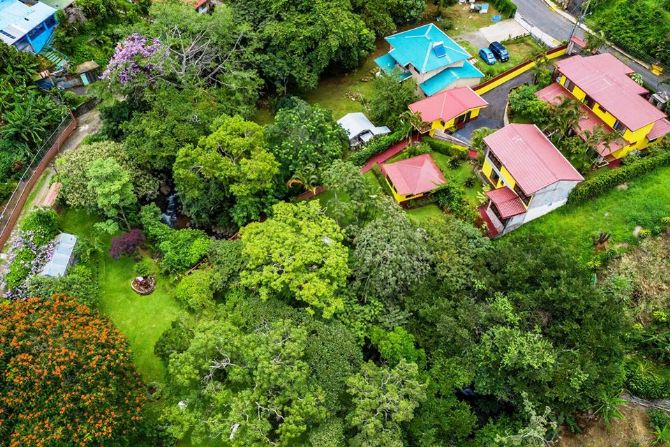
x=610, y=100
x=448, y=110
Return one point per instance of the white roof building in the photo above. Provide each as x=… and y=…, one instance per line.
x=360, y=129
x=62, y=256
x=18, y=19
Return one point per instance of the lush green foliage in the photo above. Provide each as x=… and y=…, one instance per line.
x=74, y=173
x=604, y=182
x=390, y=99
x=641, y=27
x=79, y=388
x=297, y=253
x=305, y=139
x=229, y=176
x=379, y=144
x=506, y=8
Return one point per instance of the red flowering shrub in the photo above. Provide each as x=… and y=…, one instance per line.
x=67, y=377
x=126, y=244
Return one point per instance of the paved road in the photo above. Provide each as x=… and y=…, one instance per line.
x=541, y=15
x=538, y=13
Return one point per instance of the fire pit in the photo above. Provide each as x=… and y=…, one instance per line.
x=143, y=285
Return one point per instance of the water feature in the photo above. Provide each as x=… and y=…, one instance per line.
x=169, y=216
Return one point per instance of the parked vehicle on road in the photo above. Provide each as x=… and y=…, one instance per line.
x=487, y=56
x=499, y=51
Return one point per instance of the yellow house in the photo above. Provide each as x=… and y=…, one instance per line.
x=448, y=110
x=529, y=176
x=413, y=177
x=610, y=100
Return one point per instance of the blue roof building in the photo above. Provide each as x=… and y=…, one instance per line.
x=28, y=28
x=431, y=57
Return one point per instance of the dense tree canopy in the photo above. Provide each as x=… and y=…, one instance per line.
x=297, y=253
x=68, y=377
x=305, y=138
x=261, y=376
x=229, y=176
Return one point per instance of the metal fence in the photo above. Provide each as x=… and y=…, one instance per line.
x=44, y=155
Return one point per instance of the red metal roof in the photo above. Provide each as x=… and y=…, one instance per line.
x=530, y=157
x=448, y=104
x=507, y=202
x=415, y=175
x=579, y=41
x=605, y=79
x=555, y=93
x=661, y=128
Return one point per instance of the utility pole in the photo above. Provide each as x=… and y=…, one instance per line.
x=580, y=19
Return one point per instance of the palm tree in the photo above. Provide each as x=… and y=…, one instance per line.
x=413, y=121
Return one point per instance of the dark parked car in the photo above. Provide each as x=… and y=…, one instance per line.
x=487, y=56
x=499, y=51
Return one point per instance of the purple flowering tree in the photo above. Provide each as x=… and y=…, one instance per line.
x=136, y=60
x=127, y=243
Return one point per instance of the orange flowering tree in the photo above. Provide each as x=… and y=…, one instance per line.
x=67, y=377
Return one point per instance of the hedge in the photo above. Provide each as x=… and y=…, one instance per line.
x=446, y=148
x=378, y=145
x=602, y=183
x=506, y=8
x=377, y=171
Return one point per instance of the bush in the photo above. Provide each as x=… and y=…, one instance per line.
x=376, y=170
x=658, y=419
x=80, y=282
x=41, y=225
x=645, y=383
x=20, y=268
x=506, y=8
x=145, y=267
x=195, y=290
x=446, y=148
x=452, y=198
x=602, y=183
x=126, y=244
x=175, y=339
x=378, y=145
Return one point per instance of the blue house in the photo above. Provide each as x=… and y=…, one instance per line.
x=28, y=28
x=431, y=57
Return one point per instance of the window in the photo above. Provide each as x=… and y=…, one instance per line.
x=494, y=178
x=524, y=198
x=568, y=84
x=589, y=101
x=494, y=160
x=618, y=126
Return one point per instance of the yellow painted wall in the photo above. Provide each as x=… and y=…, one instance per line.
x=638, y=137
x=513, y=74
x=509, y=181
x=437, y=124
x=607, y=117
x=578, y=93
x=398, y=197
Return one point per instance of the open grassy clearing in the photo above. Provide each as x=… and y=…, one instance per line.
x=644, y=202
x=458, y=19
x=520, y=50
x=142, y=319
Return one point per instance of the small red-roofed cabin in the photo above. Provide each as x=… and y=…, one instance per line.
x=448, y=110
x=413, y=177
x=529, y=175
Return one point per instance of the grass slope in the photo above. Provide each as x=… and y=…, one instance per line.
x=643, y=203
x=142, y=319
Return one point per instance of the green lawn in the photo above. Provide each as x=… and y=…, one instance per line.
x=520, y=50
x=422, y=214
x=463, y=21
x=335, y=92
x=142, y=319
x=618, y=212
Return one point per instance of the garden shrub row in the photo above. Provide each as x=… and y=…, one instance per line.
x=446, y=148
x=37, y=229
x=506, y=8
x=602, y=183
x=378, y=145
x=377, y=171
